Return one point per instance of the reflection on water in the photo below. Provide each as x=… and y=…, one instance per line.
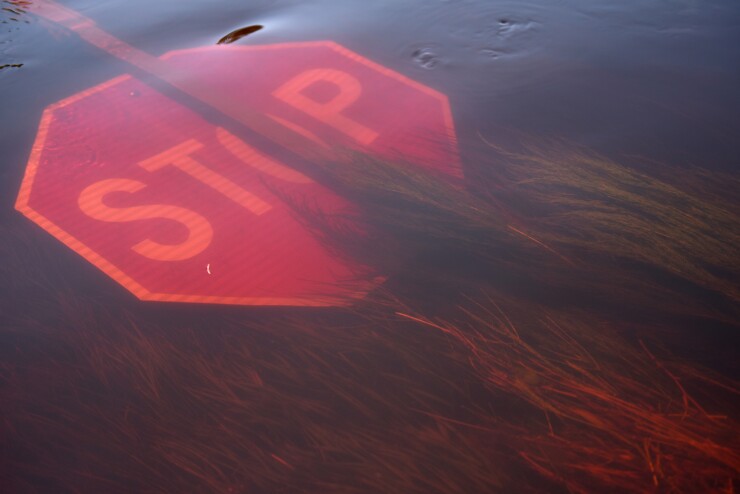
x=546, y=327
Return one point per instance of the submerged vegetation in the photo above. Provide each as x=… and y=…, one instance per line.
x=510, y=350
x=560, y=218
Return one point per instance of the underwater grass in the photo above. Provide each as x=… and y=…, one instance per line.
x=613, y=416
x=591, y=204
x=558, y=219
x=482, y=365
x=377, y=400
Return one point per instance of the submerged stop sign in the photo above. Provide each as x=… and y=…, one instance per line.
x=175, y=208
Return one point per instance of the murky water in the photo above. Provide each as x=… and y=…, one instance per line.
x=649, y=83
x=643, y=77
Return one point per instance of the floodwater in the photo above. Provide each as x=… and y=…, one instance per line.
x=103, y=392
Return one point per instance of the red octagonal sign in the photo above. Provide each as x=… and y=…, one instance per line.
x=175, y=208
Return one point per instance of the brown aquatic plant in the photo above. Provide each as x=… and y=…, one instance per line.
x=465, y=373
x=613, y=415
x=589, y=203
x=238, y=34
x=564, y=221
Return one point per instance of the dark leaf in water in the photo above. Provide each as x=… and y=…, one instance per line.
x=238, y=34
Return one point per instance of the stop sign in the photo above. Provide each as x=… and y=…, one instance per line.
x=176, y=208
x=333, y=96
